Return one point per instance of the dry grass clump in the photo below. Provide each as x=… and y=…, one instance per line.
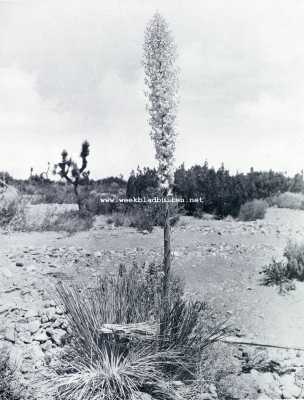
x=116, y=351
x=283, y=272
x=253, y=210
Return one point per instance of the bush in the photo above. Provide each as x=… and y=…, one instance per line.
x=69, y=221
x=294, y=201
x=51, y=219
x=253, y=210
x=9, y=204
x=294, y=254
x=282, y=272
x=275, y=273
x=143, y=217
x=112, y=364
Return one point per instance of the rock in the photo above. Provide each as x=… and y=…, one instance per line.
x=34, y=326
x=19, y=264
x=25, y=337
x=36, y=354
x=26, y=366
x=59, y=310
x=239, y=387
x=57, y=335
x=267, y=383
x=31, y=313
x=49, y=315
x=97, y=254
x=10, y=334
x=289, y=387
x=3, y=309
x=40, y=336
x=50, y=303
x=46, y=346
x=15, y=356
x=57, y=324
x=264, y=396
x=212, y=389
x=205, y=396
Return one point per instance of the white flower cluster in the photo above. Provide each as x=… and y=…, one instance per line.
x=161, y=79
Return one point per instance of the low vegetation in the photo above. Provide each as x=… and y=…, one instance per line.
x=9, y=203
x=27, y=219
x=143, y=217
x=283, y=272
x=221, y=193
x=294, y=201
x=253, y=210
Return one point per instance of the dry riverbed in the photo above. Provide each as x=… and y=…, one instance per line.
x=220, y=261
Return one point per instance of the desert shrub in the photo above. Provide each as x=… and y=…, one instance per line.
x=148, y=215
x=253, y=210
x=294, y=201
x=283, y=272
x=143, y=216
x=9, y=204
x=10, y=389
x=120, y=219
x=294, y=254
x=275, y=273
x=68, y=221
x=102, y=363
x=50, y=219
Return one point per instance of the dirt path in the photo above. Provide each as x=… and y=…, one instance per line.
x=220, y=261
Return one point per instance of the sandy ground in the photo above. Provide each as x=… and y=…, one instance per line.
x=220, y=261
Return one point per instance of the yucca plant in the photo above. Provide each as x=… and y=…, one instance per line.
x=113, y=371
x=189, y=331
x=132, y=295
x=110, y=361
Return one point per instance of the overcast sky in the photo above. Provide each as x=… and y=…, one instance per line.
x=71, y=70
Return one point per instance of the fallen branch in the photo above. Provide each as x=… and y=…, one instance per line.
x=143, y=330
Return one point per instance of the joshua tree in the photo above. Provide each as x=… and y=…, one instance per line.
x=161, y=79
x=69, y=170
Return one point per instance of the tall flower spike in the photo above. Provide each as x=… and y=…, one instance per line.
x=161, y=79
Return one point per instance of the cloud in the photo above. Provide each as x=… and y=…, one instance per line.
x=70, y=71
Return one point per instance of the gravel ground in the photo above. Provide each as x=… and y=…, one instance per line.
x=220, y=261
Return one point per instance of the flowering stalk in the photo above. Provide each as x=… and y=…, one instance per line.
x=161, y=79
